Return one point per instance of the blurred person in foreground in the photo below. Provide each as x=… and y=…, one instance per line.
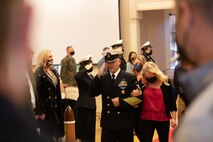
x=158, y=109
x=86, y=105
x=183, y=101
x=14, y=125
x=48, y=83
x=194, y=33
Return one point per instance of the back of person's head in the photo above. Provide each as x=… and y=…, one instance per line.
x=194, y=30
x=205, y=7
x=8, y=8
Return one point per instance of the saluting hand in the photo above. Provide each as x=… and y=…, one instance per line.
x=88, y=66
x=101, y=70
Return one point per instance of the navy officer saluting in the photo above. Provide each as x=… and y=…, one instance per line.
x=115, y=86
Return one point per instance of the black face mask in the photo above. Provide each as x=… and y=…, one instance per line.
x=132, y=59
x=90, y=70
x=151, y=79
x=150, y=53
x=72, y=53
x=49, y=62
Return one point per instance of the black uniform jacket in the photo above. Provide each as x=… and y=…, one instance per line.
x=83, y=81
x=115, y=118
x=148, y=57
x=123, y=64
x=50, y=96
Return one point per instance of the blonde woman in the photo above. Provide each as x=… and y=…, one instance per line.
x=158, y=105
x=48, y=83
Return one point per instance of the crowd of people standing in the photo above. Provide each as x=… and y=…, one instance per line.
x=29, y=100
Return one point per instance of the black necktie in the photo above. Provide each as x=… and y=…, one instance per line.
x=113, y=77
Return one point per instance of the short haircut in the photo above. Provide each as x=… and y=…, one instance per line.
x=69, y=47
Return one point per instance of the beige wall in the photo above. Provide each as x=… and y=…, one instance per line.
x=152, y=29
x=130, y=23
x=155, y=28
x=138, y=26
x=154, y=4
x=153, y=0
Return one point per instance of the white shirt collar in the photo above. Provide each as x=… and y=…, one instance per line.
x=116, y=73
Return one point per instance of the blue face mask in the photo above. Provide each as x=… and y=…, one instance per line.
x=137, y=67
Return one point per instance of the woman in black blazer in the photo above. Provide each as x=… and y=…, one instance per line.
x=48, y=84
x=86, y=105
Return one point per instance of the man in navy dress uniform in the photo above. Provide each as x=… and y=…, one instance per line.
x=117, y=116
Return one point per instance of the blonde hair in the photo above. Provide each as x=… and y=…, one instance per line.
x=153, y=68
x=140, y=59
x=42, y=58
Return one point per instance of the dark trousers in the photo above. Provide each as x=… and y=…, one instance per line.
x=147, y=128
x=117, y=135
x=86, y=121
x=136, y=121
x=49, y=131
